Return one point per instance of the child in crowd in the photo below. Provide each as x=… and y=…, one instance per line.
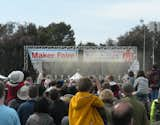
x=83, y=106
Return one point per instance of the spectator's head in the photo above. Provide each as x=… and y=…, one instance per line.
x=140, y=74
x=84, y=84
x=54, y=94
x=33, y=91
x=15, y=77
x=2, y=90
x=59, y=83
x=106, y=85
x=28, y=80
x=131, y=74
x=155, y=66
x=22, y=92
x=122, y=114
x=127, y=89
x=106, y=95
x=41, y=105
x=52, y=83
x=93, y=79
x=110, y=78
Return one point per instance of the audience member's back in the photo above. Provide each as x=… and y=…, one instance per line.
x=122, y=114
x=40, y=115
x=83, y=106
x=139, y=112
x=58, y=108
x=107, y=97
x=27, y=108
x=8, y=116
x=22, y=96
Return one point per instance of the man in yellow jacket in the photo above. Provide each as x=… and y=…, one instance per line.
x=83, y=106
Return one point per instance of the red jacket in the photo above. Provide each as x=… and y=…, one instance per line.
x=12, y=91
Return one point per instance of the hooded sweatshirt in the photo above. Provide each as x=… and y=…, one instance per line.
x=82, y=109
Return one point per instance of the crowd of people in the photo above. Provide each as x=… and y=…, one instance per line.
x=84, y=101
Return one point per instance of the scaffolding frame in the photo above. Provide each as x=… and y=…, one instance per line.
x=26, y=55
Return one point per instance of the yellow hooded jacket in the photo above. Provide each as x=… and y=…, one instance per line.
x=82, y=109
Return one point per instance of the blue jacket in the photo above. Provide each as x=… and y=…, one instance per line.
x=25, y=110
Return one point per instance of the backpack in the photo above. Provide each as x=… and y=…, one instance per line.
x=157, y=111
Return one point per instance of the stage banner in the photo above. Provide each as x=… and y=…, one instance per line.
x=52, y=55
x=110, y=55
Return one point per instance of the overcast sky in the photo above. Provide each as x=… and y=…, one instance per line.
x=91, y=20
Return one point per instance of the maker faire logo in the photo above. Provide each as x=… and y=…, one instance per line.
x=53, y=55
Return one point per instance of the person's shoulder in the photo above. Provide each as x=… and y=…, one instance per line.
x=59, y=102
x=85, y=95
x=24, y=104
x=47, y=116
x=138, y=104
x=141, y=78
x=127, y=99
x=137, y=79
x=132, y=99
x=155, y=71
x=40, y=116
x=34, y=115
x=146, y=79
x=95, y=97
x=9, y=110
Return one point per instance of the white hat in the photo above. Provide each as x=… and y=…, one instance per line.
x=22, y=93
x=15, y=77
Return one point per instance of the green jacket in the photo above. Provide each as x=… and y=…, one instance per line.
x=139, y=111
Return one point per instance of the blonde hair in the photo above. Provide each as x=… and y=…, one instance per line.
x=106, y=94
